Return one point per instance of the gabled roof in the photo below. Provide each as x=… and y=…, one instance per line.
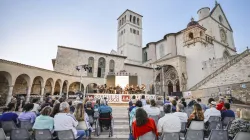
x=218, y=5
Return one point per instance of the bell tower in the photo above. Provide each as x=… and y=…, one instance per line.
x=129, y=36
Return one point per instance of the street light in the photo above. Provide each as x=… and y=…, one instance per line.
x=86, y=68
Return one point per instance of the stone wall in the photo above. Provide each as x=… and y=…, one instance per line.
x=4, y=88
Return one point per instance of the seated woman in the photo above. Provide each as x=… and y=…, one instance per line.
x=153, y=110
x=241, y=124
x=143, y=124
x=196, y=115
x=27, y=114
x=83, y=119
x=44, y=121
x=9, y=113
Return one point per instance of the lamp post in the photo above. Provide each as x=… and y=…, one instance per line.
x=86, y=68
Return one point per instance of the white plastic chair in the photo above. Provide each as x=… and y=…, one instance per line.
x=197, y=125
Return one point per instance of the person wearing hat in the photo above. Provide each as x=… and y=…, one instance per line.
x=212, y=111
x=240, y=124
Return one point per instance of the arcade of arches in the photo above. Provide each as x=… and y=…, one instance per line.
x=171, y=81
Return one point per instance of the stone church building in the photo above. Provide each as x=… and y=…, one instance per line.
x=201, y=56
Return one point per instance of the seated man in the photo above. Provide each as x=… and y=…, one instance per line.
x=9, y=113
x=104, y=108
x=212, y=111
x=169, y=123
x=227, y=112
x=180, y=113
x=65, y=121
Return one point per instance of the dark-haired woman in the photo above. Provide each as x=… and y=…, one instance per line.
x=143, y=124
x=153, y=110
x=27, y=114
x=197, y=114
x=9, y=113
x=138, y=104
x=55, y=110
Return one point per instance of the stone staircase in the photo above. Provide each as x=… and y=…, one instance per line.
x=221, y=69
x=121, y=125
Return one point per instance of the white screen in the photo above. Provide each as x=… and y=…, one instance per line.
x=122, y=81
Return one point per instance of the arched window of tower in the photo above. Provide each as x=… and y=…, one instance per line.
x=138, y=21
x=125, y=19
x=134, y=19
x=122, y=21
x=220, y=19
x=191, y=35
x=130, y=18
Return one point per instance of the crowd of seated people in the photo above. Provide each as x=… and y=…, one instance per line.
x=141, y=122
x=57, y=115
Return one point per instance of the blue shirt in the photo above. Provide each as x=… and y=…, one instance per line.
x=44, y=122
x=227, y=113
x=131, y=108
x=27, y=116
x=9, y=116
x=105, y=109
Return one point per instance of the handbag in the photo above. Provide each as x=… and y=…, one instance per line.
x=82, y=126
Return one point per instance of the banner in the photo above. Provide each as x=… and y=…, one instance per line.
x=118, y=98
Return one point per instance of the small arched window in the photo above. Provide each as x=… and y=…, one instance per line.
x=191, y=35
x=220, y=19
x=201, y=33
x=91, y=66
x=138, y=21
x=145, y=56
x=122, y=21
x=130, y=18
x=134, y=19
x=125, y=18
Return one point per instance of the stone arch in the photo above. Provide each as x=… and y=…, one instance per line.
x=57, y=88
x=91, y=61
x=111, y=65
x=226, y=54
x=37, y=85
x=74, y=87
x=171, y=74
x=91, y=88
x=65, y=87
x=101, y=67
x=5, y=83
x=49, y=86
x=22, y=84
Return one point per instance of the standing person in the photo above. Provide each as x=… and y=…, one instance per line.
x=180, y=113
x=183, y=102
x=44, y=121
x=133, y=106
x=83, y=119
x=227, y=112
x=203, y=106
x=143, y=124
x=130, y=102
x=143, y=100
x=168, y=123
x=196, y=115
x=133, y=112
x=174, y=103
x=27, y=114
x=36, y=107
x=9, y=113
x=212, y=111
x=65, y=121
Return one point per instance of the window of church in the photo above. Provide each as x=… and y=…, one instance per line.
x=130, y=18
x=91, y=66
x=137, y=32
x=138, y=21
x=220, y=19
x=120, y=23
x=134, y=31
x=125, y=18
x=134, y=19
x=145, y=56
x=191, y=35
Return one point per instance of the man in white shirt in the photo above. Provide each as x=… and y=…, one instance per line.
x=212, y=111
x=169, y=123
x=180, y=113
x=65, y=121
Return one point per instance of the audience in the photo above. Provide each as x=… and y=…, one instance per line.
x=196, y=115
x=159, y=102
x=83, y=119
x=133, y=106
x=55, y=110
x=9, y=113
x=227, y=112
x=104, y=108
x=48, y=102
x=143, y=124
x=212, y=111
x=27, y=114
x=220, y=105
x=130, y=102
x=180, y=113
x=143, y=100
x=241, y=124
x=147, y=106
x=183, y=102
x=174, y=103
x=153, y=110
x=169, y=123
x=65, y=121
x=203, y=106
x=44, y=121
x=167, y=101
x=36, y=107
x=56, y=101
x=133, y=112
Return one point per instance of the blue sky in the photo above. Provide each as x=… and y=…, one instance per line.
x=31, y=30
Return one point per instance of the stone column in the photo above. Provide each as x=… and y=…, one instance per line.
x=167, y=94
x=9, y=96
x=52, y=91
x=28, y=94
x=61, y=88
x=174, y=88
x=42, y=93
x=67, y=92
